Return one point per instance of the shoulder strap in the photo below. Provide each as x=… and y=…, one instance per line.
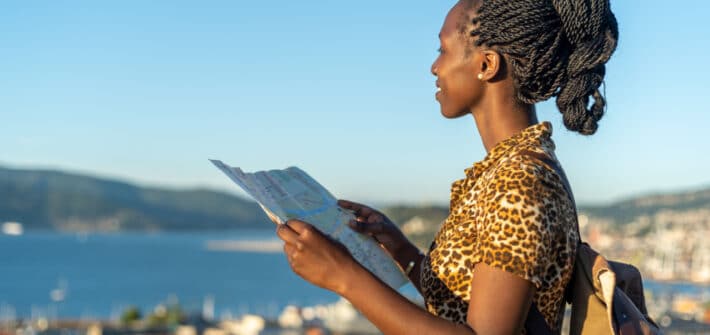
x=633, y=304
x=535, y=323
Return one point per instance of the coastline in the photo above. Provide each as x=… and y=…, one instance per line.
x=256, y=246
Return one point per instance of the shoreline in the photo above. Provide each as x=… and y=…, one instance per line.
x=259, y=246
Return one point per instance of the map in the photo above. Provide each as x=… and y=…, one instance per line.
x=292, y=194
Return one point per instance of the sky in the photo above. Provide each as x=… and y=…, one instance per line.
x=148, y=91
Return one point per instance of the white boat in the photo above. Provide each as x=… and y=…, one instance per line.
x=247, y=325
x=60, y=293
x=12, y=228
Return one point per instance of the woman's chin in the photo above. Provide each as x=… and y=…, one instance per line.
x=452, y=113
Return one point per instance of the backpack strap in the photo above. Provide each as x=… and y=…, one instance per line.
x=629, y=308
x=535, y=322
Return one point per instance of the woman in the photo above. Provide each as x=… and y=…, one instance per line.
x=509, y=242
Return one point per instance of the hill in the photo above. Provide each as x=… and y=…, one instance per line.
x=628, y=210
x=634, y=217
x=54, y=200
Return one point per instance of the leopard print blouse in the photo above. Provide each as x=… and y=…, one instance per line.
x=513, y=213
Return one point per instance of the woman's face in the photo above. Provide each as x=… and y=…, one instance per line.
x=458, y=88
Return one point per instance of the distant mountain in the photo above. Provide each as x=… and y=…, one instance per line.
x=42, y=199
x=687, y=207
x=627, y=210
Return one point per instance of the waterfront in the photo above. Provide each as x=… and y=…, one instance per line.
x=57, y=276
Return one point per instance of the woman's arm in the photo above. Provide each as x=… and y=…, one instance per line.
x=500, y=305
x=500, y=301
x=372, y=222
x=410, y=253
x=390, y=311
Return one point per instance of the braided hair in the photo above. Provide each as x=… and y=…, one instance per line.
x=555, y=48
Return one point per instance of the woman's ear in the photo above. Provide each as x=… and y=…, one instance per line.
x=491, y=65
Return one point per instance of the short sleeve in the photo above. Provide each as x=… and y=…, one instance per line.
x=520, y=231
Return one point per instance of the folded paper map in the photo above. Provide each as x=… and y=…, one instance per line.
x=293, y=194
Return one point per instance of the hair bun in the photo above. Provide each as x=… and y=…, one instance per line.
x=556, y=48
x=573, y=100
x=583, y=20
x=592, y=33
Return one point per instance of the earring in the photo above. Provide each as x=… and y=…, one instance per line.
x=480, y=76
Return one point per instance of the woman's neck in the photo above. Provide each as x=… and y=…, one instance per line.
x=500, y=119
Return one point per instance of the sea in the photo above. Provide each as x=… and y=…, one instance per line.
x=98, y=276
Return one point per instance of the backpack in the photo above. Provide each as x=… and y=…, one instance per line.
x=607, y=297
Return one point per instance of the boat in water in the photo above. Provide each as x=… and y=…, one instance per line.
x=12, y=228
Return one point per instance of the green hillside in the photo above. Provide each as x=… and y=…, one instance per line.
x=627, y=210
x=44, y=199
x=63, y=201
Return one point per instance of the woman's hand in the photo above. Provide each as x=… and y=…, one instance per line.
x=316, y=257
x=372, y=222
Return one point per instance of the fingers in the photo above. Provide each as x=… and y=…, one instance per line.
x=299, y=237
x=363, y=213
x=373, y=224
x=287, y=234
x=376, y=219
x=359, y=209
x=296, y=231
x=361, y=227
x=298, y=226
x=289, y=250
x=368, y=228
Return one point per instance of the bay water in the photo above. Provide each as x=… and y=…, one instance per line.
x=97, y=276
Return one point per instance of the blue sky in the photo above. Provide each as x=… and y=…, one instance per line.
x=147, y=91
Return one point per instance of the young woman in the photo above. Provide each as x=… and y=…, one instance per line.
x=509, y=241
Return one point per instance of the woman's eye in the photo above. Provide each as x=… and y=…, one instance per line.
x=439, y=50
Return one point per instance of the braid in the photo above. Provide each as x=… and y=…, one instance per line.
x=592, y=28
x=555, y=48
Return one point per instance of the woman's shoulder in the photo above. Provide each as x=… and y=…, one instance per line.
x=525, y=168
